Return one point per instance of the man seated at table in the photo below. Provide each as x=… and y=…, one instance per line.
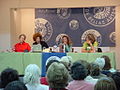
x=22, y=46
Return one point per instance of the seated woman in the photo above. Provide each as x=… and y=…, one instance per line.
x=37, y=37
x=90, y=44
x=66, y=45
x=22, y=46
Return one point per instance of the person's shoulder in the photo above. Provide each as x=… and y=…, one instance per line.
x=16, y=44
x=34, y=43
x=45, y=87
x=26, y=43
x=85, y=42
x=88, y=84
x=43, y=42
x=95, y=42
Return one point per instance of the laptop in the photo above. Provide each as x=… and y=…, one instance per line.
x=37, y=48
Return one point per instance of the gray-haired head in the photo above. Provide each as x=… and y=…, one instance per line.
x=32, y=74
x=100, y=62
x=67, y=61
x=52, y=58
x=57, y=75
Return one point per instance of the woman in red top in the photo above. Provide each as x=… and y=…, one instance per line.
x=22, y=46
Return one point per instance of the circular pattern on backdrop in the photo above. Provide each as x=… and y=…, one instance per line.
x=74, y=24
x=99, y=16
x=96, y=34
x=44, y=27
x=63, y=13
x=59, y=38
x=112, y=37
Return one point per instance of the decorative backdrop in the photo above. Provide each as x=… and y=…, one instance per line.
x=76, y=23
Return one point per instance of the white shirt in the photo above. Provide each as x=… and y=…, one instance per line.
x=91, y=80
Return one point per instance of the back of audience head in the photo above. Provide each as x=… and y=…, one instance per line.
x=32, y=74
x=107, y=65
x=16, y=85
x=78, y=71
x=105, y=84
x=8, y=75
x=95, y=70
x=100, y=62
x=57, y=75
x=67, y=61
x=86, y=65
x=50, y=60
x=116, y=78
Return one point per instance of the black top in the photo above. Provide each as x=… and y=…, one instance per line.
x=43, y=44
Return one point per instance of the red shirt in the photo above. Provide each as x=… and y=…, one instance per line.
x=43, y=80
x=21, y=47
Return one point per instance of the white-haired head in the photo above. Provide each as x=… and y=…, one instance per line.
x=32, y=74
x=100, y=62
x=52, y=58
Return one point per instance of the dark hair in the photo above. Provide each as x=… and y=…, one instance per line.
x=78, y=71
x=22, y=35
x=37, y=35
x=7, y=76
x=16, y=85
x=105, y=84
x=95, y=70
x=49, y=63
x=86, y=65
x=68, y=39
x=91, y=38
x=107, y=65
x=116, y=78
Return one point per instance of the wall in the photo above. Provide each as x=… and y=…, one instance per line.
x=10, y=27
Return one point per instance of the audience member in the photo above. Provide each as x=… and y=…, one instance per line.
x=16, y=85
x=107, y=66
x=8, y=75
x=79, y=73
x=32, y=78
x=105, y=84
x=50, y=60
x=57, y=76
x=116, y=78
x=95, y=71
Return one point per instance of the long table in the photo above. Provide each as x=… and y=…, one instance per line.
x=19, y=61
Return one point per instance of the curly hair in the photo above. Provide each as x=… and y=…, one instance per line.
x=37, y=35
